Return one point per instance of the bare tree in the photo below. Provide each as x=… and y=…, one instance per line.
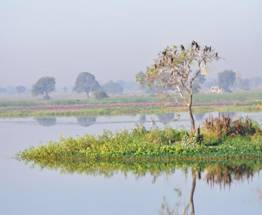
x=177, y=69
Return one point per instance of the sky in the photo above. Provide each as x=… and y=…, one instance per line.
x=116, y=39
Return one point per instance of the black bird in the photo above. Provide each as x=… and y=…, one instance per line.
x=206, y=49
x=195, y=44
x=182, y=48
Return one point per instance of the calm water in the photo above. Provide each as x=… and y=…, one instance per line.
x=27, y=190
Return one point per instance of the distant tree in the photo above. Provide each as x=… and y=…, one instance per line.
x=255, y=82
x=243, y=84
x=86, y=83
x=99, y=94
x=20, y=89
x=44, y=86
x=177, y=69
x=128, y=85
x=113, y=88
x=65, y=89
x=198, y=83
x=226, y=80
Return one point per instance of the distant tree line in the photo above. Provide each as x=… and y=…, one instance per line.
x=229, y=81
x=84, y=83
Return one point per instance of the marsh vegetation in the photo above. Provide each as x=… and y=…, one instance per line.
x=220, y=139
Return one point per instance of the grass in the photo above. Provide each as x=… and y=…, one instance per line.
x=239, y=101
x=111, y=111
x=140, y=145
x=235, y=97
x=26, y=102
x=220, y=142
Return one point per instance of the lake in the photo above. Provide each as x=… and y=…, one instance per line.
x=30, y=190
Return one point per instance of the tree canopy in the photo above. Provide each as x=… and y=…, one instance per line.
x=226, y=80
x=113, y=88
x=44, y=86
x=86, y=83
x=178, y=68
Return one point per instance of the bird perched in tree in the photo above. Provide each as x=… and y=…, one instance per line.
x=195, y=45
x=207, y=48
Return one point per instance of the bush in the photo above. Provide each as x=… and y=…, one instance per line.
x=224, y=126
x=100, y=94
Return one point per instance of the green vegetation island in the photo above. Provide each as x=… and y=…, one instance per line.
x=221, y=140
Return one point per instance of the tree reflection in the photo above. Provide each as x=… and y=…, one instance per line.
x=225, y=175
x=221, y=173
x=166, y=118
x=142, y=119
x=199, y=116
x=215, y=174
x=86, y=121
x=46, y=121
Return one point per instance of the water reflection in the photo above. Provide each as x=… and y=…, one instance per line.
x=142, y=119
x=213, y=174
x=199, y=116
x=46, y=121
x=219, y=173
x=166, y=118
x=86, y=121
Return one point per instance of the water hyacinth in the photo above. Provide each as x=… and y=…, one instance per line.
x=155, y=145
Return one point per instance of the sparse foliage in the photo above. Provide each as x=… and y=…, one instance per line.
x=178, y=68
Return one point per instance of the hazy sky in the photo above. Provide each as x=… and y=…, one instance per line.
x=115, y=39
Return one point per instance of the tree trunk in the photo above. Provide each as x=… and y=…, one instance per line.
x=192, y=120
x=192, y=194
x=46, y=96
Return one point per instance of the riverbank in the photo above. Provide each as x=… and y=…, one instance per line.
x=129, y=105
x=123, y=109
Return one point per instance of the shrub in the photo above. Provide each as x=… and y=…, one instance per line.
x=224, y=126
x=100, y=94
